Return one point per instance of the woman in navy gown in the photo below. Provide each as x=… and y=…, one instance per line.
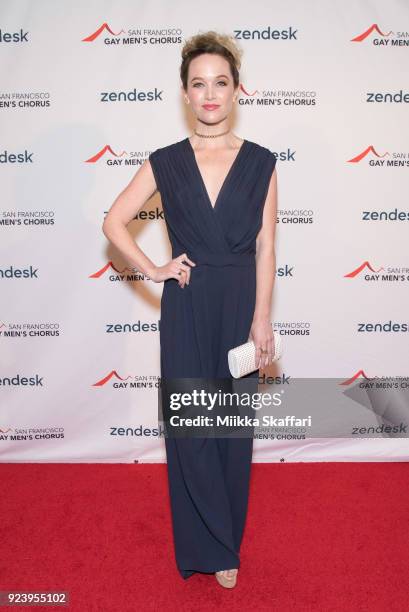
x=219, y=197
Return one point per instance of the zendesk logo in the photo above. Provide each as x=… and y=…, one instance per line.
x=17, y=37
x=12, y=158
x=285, y=271
x=12, y=272
x=131, y=96
x=385, y=215
x=22, y=381
x=267, y=34
x=389, y=326
x=387, y=97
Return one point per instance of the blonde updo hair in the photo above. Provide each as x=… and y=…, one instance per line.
x=211, y=42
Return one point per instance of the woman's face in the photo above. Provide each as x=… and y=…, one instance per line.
x=210, y=87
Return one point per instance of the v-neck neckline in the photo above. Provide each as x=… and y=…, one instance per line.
x=226, y=178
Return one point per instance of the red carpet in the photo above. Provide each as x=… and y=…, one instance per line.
x=319, y=536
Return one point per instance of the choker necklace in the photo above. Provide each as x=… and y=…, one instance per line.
x=211, y=135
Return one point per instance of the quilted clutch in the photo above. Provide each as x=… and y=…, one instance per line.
x=242, y=359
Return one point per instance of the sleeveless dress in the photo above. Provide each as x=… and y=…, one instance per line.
x=209, y=478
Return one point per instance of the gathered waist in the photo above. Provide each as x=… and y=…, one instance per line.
x=222, y=259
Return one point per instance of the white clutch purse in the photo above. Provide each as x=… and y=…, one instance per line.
x=242, y=359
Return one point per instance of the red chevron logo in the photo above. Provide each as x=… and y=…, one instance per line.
x=101, y=29
x=355, y=272
x=359, y=374
x=368, y=150
x=112, y=374
x=374, y=27
x=102, y=271
x=246, y=92
x=102, y=152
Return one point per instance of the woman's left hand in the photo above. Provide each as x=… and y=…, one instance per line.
x=261, y=332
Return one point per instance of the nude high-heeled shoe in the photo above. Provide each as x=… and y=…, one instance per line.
x=227, y=578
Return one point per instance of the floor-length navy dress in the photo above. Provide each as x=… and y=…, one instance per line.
x=209, y=478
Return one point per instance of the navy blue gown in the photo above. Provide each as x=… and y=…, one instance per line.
x=209, y=477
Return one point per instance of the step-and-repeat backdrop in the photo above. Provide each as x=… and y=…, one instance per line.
x=88, y=90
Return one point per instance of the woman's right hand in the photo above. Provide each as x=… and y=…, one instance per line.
x=175, y=268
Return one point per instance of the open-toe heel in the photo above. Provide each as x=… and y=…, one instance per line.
x=227, y=580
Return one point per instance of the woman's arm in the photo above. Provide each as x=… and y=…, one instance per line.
x=261, y=329
x=123, y=211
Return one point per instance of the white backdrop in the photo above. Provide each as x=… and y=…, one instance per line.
x=88, y=90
